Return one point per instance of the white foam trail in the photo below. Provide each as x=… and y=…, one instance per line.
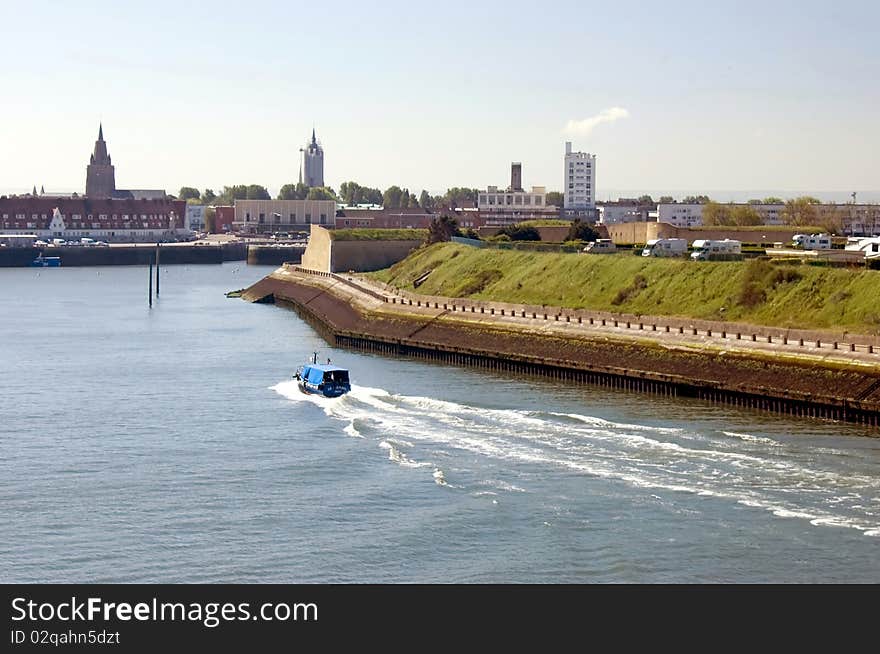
x=752, y=439
x=439, y=478
x=642, y=456
x=351, y=430
x=400, y=458
x=502, y=485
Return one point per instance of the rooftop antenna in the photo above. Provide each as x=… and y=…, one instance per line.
x=854, y=197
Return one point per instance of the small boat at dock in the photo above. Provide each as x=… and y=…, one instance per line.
x=322, y=379
x=46, y=262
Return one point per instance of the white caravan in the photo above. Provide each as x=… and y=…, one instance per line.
x=601, y=246
x=705, y=250
x=812, y=241
x=665, y=247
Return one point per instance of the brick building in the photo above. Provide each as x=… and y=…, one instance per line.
x=106, y=219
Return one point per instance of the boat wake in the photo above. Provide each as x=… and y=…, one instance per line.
x=751, y=470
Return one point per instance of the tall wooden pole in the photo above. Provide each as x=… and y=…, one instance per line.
x=150, y=277
x=157, y=270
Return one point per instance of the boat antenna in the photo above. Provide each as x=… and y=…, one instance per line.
x=315, y=358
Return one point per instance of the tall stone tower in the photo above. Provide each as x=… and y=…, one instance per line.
x=100, y=176
x=313, y=163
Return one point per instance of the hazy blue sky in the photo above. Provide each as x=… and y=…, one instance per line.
x=669, y=95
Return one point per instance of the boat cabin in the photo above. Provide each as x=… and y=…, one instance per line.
x=320, y=374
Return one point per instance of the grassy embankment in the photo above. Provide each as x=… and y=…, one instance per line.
x=757, y=292
x=358, y=234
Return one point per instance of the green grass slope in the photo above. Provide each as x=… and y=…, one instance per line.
x=754, y=291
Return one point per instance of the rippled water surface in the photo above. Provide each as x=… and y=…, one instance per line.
x=171, y=445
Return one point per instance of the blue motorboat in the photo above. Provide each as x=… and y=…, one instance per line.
x=322, y=379
x=46, y=262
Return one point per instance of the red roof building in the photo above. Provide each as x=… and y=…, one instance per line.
x=106, y=219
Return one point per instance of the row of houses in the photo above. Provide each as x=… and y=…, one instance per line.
x=107, y=219
x=856, y=219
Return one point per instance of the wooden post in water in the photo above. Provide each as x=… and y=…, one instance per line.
x=157, y=270
x=150, y=277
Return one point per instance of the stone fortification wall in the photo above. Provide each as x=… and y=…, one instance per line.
x=326, y=254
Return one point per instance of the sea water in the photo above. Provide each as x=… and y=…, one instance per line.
x=170, y=444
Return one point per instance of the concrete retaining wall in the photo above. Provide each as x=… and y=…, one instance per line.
x=126, y=255
x=273, y=255
x=328, y=255
x=364, y=256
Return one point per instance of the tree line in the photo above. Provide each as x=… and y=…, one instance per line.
x=350, y=193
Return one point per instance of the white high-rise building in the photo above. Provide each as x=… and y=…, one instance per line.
x=579, y=181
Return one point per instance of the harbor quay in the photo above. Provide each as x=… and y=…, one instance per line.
x=142, y=254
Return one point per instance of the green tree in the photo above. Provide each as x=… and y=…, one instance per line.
x=458, y=196
x=187, y=193
x=321, y=193
x=554, y=198
x=581, y=231
x=232, y=193
x=715, y=213
x=208, y=196
x=521, y=233
x=391, y=197
x=773, y=200
x=211, y=220
x=352, y=193
x=442, y=229
x=831, y=219
x=293, y=192
x=426, y=201
x=800, y=211
x=257, y=192
x=646, y=199
x=696, y=199
x=666, y=199
x=744, y=216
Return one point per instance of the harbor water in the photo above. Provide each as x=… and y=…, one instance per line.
x=170, y=444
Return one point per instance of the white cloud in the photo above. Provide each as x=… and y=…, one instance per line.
x=585, y=127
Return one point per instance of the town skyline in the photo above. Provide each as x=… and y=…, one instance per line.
x=694, y=100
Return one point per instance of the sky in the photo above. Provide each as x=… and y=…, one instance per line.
x=671, y=96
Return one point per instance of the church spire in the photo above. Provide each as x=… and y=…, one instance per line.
x=100, y=175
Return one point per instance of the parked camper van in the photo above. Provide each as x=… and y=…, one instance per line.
x=870, y=245
x=601, y=246
x=665, y=247
x=707, y=250
x=812, y=241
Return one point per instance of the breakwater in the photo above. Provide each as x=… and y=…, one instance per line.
x=126, y=255
x=760, y=381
